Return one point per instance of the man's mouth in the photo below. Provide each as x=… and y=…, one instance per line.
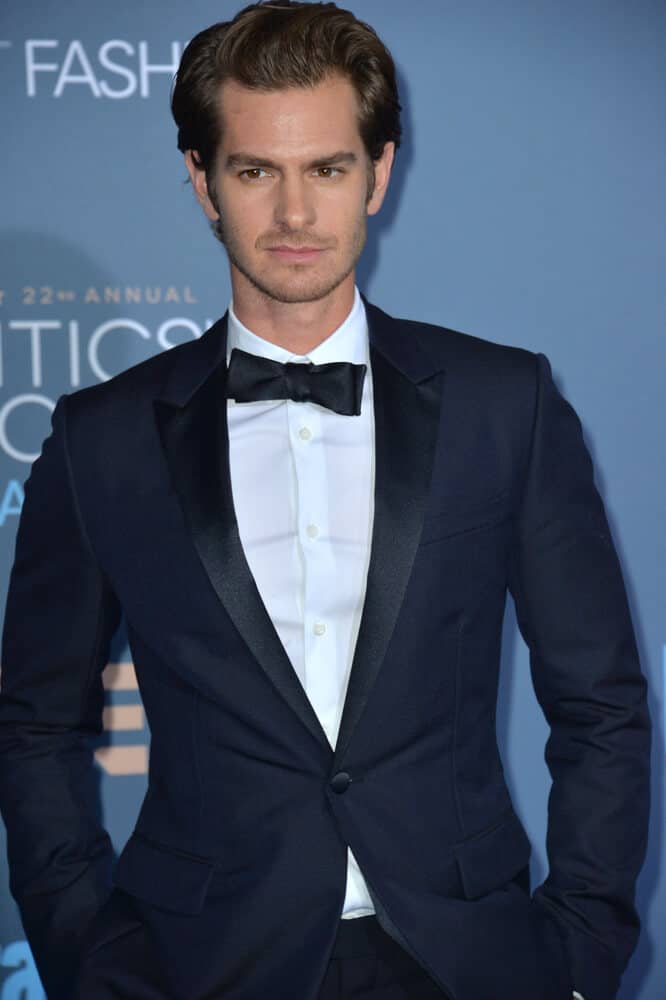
x=297, y=254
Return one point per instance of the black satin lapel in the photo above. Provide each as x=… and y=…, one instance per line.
x=195, y=441
x=406, y=425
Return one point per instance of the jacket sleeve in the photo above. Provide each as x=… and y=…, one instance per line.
x=60, y=617
x=573, y=614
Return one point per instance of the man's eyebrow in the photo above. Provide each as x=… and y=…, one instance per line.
x=251, y=160
x=328, y=161
x=246, y=160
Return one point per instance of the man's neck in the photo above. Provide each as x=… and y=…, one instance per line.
x=298, y=327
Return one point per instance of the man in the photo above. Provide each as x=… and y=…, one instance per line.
x=327, y=509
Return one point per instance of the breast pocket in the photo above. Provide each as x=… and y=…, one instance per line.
x=466, y=514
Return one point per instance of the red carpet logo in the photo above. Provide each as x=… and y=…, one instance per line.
x=115, y=70
x=123, y=758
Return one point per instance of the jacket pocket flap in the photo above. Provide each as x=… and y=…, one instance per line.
x=456, y=521
x=492, y=858
x=162, y=876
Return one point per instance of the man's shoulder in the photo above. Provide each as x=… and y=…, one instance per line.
x=140, y=385
x=455, y=351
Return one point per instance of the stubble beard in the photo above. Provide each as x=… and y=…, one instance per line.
x=297, y=285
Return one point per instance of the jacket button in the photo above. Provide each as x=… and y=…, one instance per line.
x=340, y=782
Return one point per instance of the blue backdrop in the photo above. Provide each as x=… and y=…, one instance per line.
x=527, y=207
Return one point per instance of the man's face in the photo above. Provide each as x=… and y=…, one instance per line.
x=291, y=184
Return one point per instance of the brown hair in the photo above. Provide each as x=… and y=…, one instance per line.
x=277, y=44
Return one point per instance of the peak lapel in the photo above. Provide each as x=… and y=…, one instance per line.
x=194, y=437
x=407, y=396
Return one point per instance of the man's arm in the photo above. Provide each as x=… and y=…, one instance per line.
x=60, y=617
x=573, y=614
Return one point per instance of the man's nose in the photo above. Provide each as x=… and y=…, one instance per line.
x=295, y=205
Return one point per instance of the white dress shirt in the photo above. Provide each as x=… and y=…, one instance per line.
x=302, y=479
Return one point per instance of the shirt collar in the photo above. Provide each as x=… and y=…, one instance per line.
x=348, y=343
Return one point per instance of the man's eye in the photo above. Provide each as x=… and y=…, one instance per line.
x=327, y=172
x=253, y=173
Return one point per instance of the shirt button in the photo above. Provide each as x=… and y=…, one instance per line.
x=319, y=628
x=305, y=434
x=312, y=530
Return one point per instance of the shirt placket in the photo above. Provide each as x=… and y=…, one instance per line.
x=306, y=428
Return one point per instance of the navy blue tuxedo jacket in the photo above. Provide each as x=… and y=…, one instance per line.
x=237, y=862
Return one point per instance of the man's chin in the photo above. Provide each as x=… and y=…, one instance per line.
x=296, y=287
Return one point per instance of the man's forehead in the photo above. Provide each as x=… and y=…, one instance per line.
x=332, y=101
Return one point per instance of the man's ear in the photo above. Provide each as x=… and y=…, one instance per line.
x=200, y=185
x=382, y=170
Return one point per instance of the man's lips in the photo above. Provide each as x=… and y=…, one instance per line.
x=296, y=253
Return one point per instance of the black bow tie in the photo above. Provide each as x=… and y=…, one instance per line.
x=337, y=386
